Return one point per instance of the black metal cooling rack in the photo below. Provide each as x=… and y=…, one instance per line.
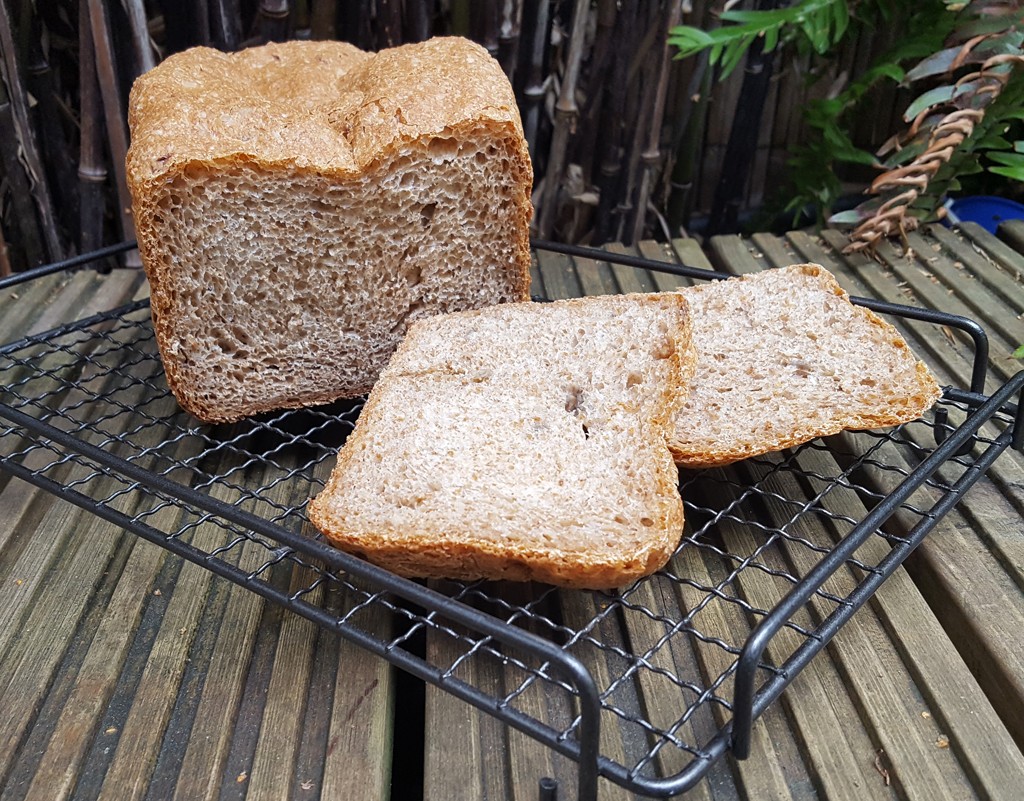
x=647, y=686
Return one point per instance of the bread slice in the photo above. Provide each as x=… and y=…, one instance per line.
x=522, y=442
x=298, y=204
x=783, y=356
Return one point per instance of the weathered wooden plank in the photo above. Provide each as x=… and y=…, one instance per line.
x=559, y=275
x=875, y=673
x=690, y=253
x=138, y=741
x=828, y=719
x=658, y=251
x=528, y=760
x=730, y=254
x=957, y=704
x=273, y=764
x=466, y=751
x=774, y=755
x=202, y=767
x=668, y=654
x=94, y=682
x=983, y=300
x=595, y=277
x=1012, y=232
x=630, y=279
x=357, y=760
x=989, y=259
x=621, y=742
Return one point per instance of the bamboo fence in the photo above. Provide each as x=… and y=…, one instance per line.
x=626, y=142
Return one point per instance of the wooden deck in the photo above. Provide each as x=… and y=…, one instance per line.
x=126, y=673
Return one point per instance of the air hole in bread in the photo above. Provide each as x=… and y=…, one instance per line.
x=572, y=403
x=427, y=214
x=444, y=149
x=634, y=379
x=646, y=522
x=665, y=348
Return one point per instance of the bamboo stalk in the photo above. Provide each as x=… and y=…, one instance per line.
x=484, y=24
x=566, y=112
x=5, y=261
x=356, y=26
x=534, y=84
x=746, y=126
x=687, y=149
x=460, y=14
x=92, y=172
x=651, y=156
x=323, y=19
x=273, y=17
x=55, y=150
x=600, y=62
x=142, y=48
x=612, y=125
x=419, y=18
x=25, y=138
x=226, y=24
x=201, y=22
x=508, y=35
x=20, y=188
x=110, y=93
x=389, y=23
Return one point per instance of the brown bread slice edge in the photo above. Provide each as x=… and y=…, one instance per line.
x=783, y=357
x=523, y=442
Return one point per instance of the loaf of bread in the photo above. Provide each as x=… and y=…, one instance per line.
x=783, y=356
x=524, y=442
x=298, y=205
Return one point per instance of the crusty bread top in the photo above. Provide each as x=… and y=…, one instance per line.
x=783, y=357
x=523, y=441
x=322, y=106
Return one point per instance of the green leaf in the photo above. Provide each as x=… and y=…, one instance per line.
x=1013, y=173
x=936, y=64
x=933, y=97
x=1009, y=159
x=851, y=217
x=1019, y=353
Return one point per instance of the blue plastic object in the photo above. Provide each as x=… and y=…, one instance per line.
x=986, y=210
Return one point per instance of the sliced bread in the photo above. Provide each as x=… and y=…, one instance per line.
x=783, y=356
x=522, y=442
x=299, y=204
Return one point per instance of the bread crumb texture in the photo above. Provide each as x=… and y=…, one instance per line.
x=783, y=357
x=521, y=442
x=298, y=205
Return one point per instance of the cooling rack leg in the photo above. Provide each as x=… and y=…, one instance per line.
x=548, y=789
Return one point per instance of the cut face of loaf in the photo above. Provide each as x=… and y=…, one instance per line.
x=783, y=357
x=299, y=204
x=521, y=442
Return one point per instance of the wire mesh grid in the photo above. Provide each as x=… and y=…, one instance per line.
x=663, y=653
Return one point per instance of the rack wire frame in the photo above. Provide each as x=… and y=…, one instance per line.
x=87, y=416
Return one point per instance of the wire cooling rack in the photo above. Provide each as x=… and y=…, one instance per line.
x=647, y=686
